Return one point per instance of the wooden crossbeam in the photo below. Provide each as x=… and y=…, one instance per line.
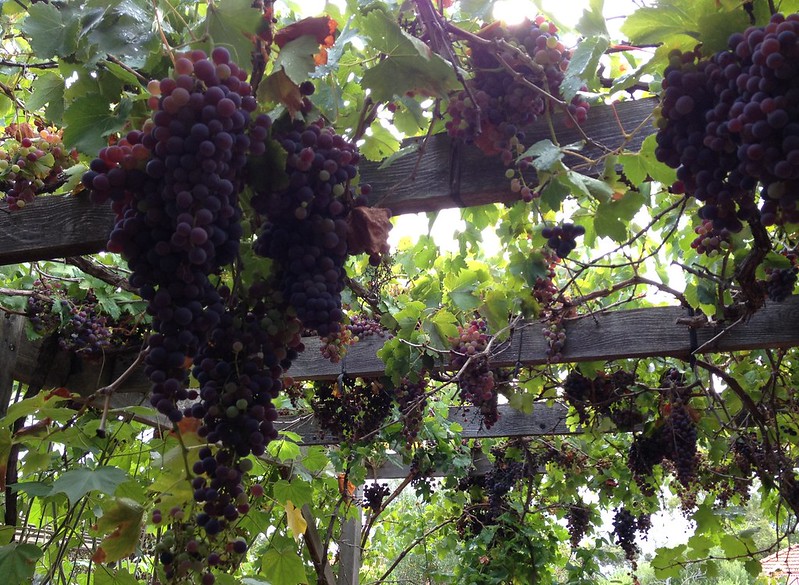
x=637, y=333
x=445, y=176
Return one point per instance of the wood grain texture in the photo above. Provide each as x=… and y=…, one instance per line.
x=638, y=333
x=544, y=420
x=449, y=176
x=55, y=227
x=11, y=333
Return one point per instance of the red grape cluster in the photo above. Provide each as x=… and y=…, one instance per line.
x=511, y=79
x=561, y=238
x=476, y=382
x=727, y=125
x=175, y=188
x=31, y=161
x=710, y=240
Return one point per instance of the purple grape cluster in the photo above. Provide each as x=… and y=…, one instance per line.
x=85, y=331
x=728, y=124
x=411, y=399
x=175, y=188
x=362, y=325
x=307, y=233
x=562, y=238
x=780, y=283
x=476, y=383
x=625, y=526
x=374, y=494
x=504, y=101
x=578, y=521
x=675, y=439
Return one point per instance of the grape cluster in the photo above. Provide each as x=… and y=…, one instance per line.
x=31, y=161
x=578, y=520
x=175, y=188
x=500, y=480
x=184, y=552
x=780, y=283
x=362, y=325
x=476, y=382
x=351, y=408
x=374, y=494
x=680, y=435
x=544, y=289
x=603, y=394
x=411, y=398
x=239, y=371
x=562, y=238
x=334, y=345
x=709, y=240
x=675, y=439
x=82, y=327
x=307, y=231
x=625, y=526
x=727, y=125
x=511, y=79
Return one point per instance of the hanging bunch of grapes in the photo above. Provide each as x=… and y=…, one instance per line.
x=517, y=71
x=32, y=161
x=476, y=380
x=726, y=126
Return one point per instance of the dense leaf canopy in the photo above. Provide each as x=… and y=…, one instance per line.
x=560, y=183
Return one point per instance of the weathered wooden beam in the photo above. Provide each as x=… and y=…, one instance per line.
x=544, y=420
x=443, y=176
x=451, y=176
x=638, y=333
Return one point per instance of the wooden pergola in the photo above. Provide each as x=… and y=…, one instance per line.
x=445, y=175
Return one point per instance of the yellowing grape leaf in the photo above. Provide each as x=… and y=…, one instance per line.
x=294, y=519
x=278, y=88
x=124, y=519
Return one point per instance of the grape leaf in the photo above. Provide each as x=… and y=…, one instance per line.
x=296, y=58
x=79, y=482
x=51, y=32
x=105, y=576
x=18, y=562
x=233, y=24
x=298, y=491
x=583, y=65
x=124, y=519
x=409, y=64
x=48, y=89
x=295, y=520
x=278, y=88
x=89, y=122
x=283, y=565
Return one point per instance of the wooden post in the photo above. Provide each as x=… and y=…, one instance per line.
x=349, y=545
x=11, y=327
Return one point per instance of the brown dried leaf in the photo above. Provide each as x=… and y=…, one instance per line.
x=369, y=227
